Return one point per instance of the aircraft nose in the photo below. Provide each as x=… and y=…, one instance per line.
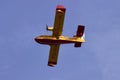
x=36, y=39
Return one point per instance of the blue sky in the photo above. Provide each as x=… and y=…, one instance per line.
x=21, y=58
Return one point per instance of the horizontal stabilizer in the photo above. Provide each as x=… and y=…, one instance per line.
x=80, y=31
x=77, y=44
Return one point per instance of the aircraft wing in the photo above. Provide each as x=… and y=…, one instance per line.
x=53, y=55
x=57, y=31
x=59, y=21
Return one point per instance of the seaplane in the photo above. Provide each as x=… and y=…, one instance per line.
x=56, y=39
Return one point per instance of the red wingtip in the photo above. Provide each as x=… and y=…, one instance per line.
x=61, y=7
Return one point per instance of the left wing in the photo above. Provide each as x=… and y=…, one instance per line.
x=53, y=55
x=59, y=20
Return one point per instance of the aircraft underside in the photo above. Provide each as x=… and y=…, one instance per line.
x=56, y=38
x=49, y=40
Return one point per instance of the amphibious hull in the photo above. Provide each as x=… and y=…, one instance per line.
x=50, y=40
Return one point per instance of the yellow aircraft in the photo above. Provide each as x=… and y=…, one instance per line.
x=56, y=38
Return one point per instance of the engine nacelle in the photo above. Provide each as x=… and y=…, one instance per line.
x=49, y=28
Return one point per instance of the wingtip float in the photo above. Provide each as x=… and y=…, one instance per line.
x=57, y=38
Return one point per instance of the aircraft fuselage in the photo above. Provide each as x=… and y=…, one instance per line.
x=50, y=40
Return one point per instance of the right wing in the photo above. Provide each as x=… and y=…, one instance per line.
x=53, y=55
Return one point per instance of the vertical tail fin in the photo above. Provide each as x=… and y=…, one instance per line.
x=79, y=33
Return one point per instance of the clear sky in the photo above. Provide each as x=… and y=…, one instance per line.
x=21, y=58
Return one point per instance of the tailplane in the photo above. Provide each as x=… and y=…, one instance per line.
x=77, y=44
x=79, y=33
